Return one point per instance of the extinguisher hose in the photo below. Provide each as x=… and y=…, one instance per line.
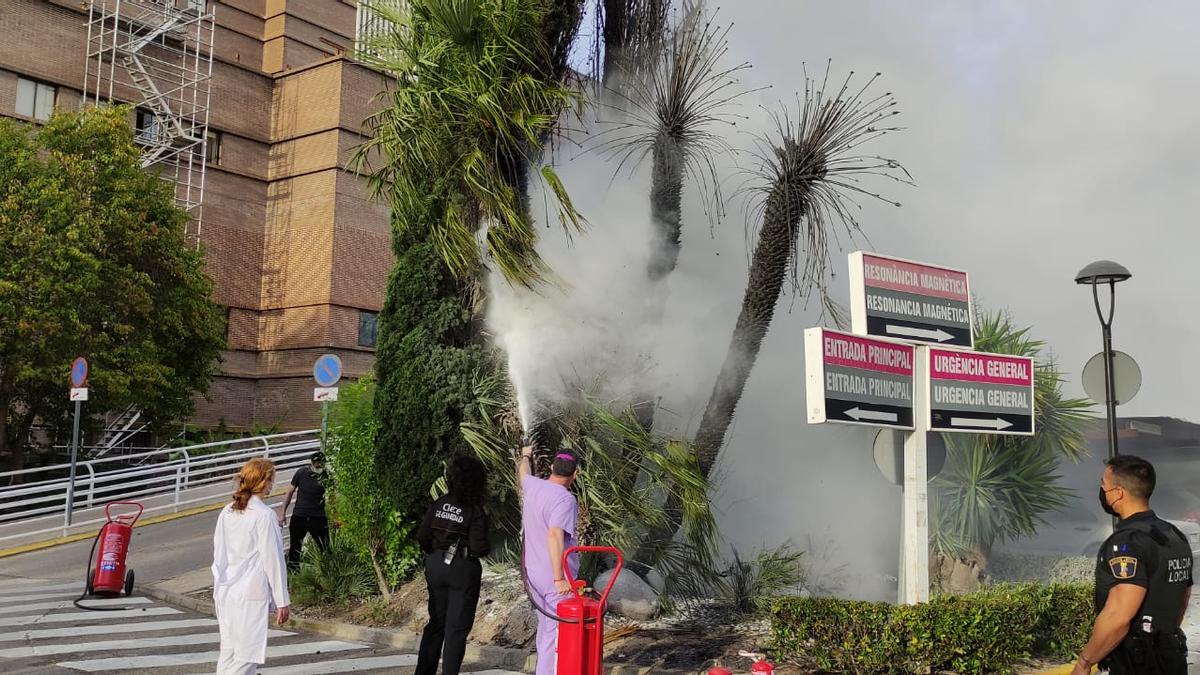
x=87, y=573
x=533, y=600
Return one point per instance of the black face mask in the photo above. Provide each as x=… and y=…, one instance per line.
x=1104, y=505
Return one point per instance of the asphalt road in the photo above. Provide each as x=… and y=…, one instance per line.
x=158, y=551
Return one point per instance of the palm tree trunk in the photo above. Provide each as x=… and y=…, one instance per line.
x=666, y=212
x=615, y=19
x=768, y=272
x=666, y=205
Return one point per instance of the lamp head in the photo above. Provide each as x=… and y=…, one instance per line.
x=1102, y=272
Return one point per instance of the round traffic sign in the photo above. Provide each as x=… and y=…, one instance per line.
x=327, y=370
x=79, y=372
x=1127, y=378
x=889, y=454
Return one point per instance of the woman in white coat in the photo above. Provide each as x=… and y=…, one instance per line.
x=249, y=571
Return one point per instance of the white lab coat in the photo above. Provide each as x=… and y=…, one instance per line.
x=249, y=572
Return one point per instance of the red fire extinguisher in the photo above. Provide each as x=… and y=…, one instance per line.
x=581, y=631
x=110, y=577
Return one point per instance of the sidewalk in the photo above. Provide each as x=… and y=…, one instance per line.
x=193, y=591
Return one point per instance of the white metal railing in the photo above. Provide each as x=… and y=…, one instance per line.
x=164, y=480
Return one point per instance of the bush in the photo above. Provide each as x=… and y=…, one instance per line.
x=331, y=575
x=363, y=504
x=748, y=584
x=982, y=632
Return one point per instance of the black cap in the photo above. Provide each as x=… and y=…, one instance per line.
x=317, y=456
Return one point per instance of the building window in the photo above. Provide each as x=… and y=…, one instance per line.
x=366, y=328
x=35, y=99
x=148, y=130
x=212, y=148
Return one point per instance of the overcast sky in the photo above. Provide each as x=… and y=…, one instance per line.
x=1042, y=136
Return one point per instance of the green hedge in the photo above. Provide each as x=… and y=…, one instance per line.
x=981, y=632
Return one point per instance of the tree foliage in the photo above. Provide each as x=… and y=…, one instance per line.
x=995, y=488
x=363, y=504
x=93, y=262
x=478, y=92
x=425, y=363
x=619, y=492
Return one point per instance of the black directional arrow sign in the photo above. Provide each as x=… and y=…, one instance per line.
x=857, y=380
x=980, y=393
x=911, y=301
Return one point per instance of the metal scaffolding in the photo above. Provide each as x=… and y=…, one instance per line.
x=157, y=55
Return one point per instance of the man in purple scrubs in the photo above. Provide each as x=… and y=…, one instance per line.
x=548, y=515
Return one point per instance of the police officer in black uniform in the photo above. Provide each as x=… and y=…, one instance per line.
x=1143, y=581
x=454, y=536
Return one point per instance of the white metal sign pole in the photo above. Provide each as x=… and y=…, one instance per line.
x=914, y=544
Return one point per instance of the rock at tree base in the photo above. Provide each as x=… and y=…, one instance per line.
x=630, y=597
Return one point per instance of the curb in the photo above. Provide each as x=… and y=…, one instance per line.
x=152, y=520
x=1065, y=669
x=485, y=655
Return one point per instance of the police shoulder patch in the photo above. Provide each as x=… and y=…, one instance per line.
x=1123, y=566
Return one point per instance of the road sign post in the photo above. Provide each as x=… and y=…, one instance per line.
x=78, y=394
x=327, y=370
x=907, y=366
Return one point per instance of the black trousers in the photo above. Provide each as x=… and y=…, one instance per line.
x=453, y=596
x=1163, y=654
x=298, y=528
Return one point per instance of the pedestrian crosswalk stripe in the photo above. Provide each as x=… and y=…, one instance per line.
x=64, y=604
x=20, y=599
x=67, y=617
x=65, y=586
x=116, y=645
x=189, y=659
x=104, y=629
x=343, y=665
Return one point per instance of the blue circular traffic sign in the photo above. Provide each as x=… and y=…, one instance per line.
x=327, y=370
x=79, y=372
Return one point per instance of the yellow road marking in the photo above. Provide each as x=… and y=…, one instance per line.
x=152, y=520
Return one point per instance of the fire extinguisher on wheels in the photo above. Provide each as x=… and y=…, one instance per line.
x=581, y=629
x=111, y=577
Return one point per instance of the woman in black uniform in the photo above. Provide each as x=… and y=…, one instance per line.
x=454, y=536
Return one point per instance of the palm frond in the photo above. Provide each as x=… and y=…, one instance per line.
x=469, y=111
x=811, y=169
x=997, y=488
x=628, y=473
x=676, y=107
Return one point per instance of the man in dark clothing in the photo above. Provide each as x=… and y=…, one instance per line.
x=308, y=485
x=1143, y=581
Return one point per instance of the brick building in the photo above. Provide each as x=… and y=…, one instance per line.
x=299, y=253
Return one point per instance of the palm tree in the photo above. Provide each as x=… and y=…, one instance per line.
x=626, y=31
x=997, y=488
x=615, y=509
x=671, y=111
x=809, y=176
x=478, y=91
x=670, y=102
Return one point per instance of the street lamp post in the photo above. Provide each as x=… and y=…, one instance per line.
x=1106, y=272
